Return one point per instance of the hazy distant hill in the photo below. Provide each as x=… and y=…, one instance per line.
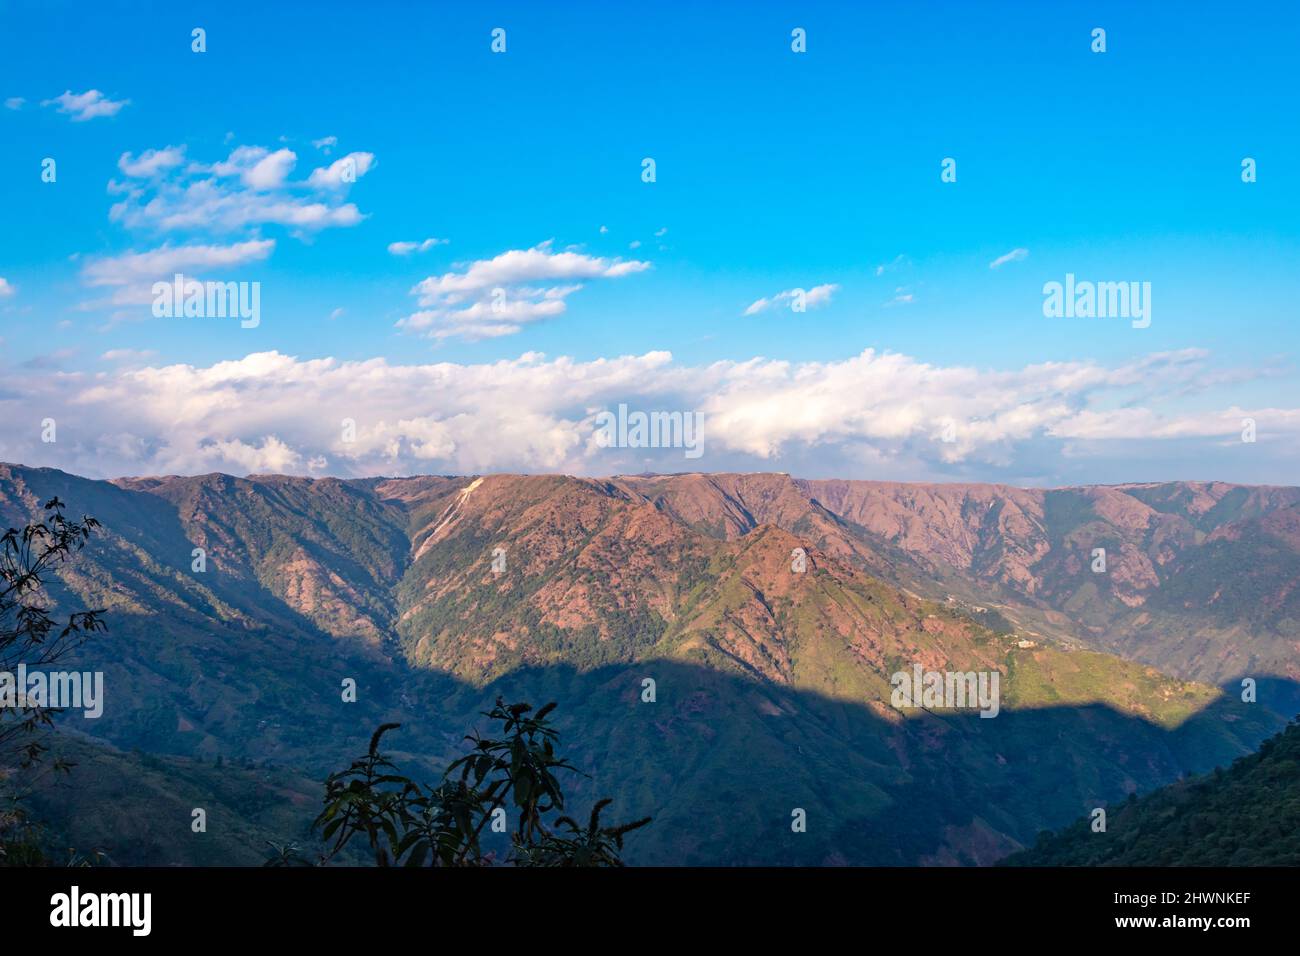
x=772, y=685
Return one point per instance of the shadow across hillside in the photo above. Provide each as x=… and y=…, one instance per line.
x=218, y=666
x=720, y=761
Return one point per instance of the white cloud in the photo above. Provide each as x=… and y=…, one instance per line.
x=256, y=167
x=660, y=233
x=406, y=248
x=1015, y=255
x=128, y=355
x=205, y=204
x=166, y=260
x=490, y=298
x=14, y=103
x=902, y=296
x=273, y=412
x=151, y=161
x=325, y=143
x=342, y=172
x=5, y=288
x=86, y=106
x=131, y=275
x=813, y=298
x=527, y=265
x=271, y=171
x=604, y=229
x=248, y=189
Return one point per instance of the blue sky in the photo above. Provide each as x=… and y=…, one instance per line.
x=775, y=171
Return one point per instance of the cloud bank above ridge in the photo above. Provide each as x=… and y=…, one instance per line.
x=873, y=414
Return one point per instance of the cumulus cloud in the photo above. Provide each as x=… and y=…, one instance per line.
x=206, y=204
x=868, y=415
x=490, y=298
x=6, y=289
x=343, y=171
x=250, y=188
x=325, y=143
x=406, y=248
x=86, y=106
x=1015, y=255
x=151, y=162
x=818, y=295
x=262, y=169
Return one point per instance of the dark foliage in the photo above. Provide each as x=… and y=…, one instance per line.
x=512, y=777
x=30, y=635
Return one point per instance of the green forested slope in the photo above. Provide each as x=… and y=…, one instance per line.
x=1245, y=815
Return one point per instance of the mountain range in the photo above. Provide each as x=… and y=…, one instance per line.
x=766, y=614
